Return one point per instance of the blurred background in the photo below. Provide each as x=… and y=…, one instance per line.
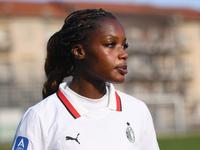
x=163, y=64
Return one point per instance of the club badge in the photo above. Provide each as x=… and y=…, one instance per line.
x=129, y=133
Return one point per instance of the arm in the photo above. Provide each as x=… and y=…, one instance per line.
x=149, y=140
x=29, y=134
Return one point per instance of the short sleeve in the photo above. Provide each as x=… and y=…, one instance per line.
x=29, y=134
x=149, y=140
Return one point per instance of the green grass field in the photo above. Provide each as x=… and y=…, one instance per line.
x=182, y=143
x=5, y=146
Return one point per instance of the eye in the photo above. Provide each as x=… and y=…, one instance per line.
x=111, y=44
x=125, y=46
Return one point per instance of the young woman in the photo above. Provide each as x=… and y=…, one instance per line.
x=86, y=113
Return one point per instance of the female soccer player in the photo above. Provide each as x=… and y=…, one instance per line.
x=86, y=113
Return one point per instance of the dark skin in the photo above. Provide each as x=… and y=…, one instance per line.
x=104, y=60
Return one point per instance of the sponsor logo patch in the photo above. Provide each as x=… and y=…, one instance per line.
x=21, y=143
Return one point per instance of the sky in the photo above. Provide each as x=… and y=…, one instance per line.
x=192, y=4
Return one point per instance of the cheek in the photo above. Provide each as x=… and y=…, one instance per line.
x=108, y=65
x=101, y=60
x=109, y=62
x=101, y=65
x=93, y=64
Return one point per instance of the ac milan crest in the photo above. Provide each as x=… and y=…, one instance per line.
x=129, y=133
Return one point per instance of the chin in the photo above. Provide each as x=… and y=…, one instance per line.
x=117, y=81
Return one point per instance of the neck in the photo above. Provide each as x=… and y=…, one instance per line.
x=89, y=89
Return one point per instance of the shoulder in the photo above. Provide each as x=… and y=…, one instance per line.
x=42, y=109
x=132, y=104
x=130, y=99
x=43, y=113
x=35, y=124
x=48, y=104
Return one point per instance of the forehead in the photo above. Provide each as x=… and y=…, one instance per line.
x=109, y=26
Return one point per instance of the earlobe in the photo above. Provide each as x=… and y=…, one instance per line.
x=78, y=52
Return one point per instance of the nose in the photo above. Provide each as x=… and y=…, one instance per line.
x=123, y=54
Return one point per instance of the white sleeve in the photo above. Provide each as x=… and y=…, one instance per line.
x=149, y=140
x=29, y=134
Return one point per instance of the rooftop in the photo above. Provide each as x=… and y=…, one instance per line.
x=62, y=9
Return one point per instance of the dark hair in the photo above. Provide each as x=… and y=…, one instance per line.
x=60, y=62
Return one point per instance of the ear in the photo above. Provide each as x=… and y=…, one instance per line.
x=78, y=51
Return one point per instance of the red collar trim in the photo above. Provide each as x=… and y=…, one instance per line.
x=74, y=112
x=68, y=105
x=118, y=102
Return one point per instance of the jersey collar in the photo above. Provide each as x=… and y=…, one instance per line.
x=77, y=110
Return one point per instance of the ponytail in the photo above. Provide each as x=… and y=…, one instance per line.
x=58, y=65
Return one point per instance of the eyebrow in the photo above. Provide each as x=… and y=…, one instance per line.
x=113, y=36
x=117, y=37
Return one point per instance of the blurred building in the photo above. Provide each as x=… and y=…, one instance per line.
x=163, y=64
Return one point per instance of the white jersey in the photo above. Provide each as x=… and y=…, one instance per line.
x=59, y=122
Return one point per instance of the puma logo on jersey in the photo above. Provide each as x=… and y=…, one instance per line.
x=71, y=138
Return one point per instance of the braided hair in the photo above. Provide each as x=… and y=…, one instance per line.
x=60, y=61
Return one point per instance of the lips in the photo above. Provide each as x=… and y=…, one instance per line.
x=122, y=69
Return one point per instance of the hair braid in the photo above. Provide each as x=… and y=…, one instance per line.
x=60, y=62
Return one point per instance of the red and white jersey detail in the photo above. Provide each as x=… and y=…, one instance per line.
x=75, y=112
x=68, y=105
x=125, y=124
x=118, y=102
